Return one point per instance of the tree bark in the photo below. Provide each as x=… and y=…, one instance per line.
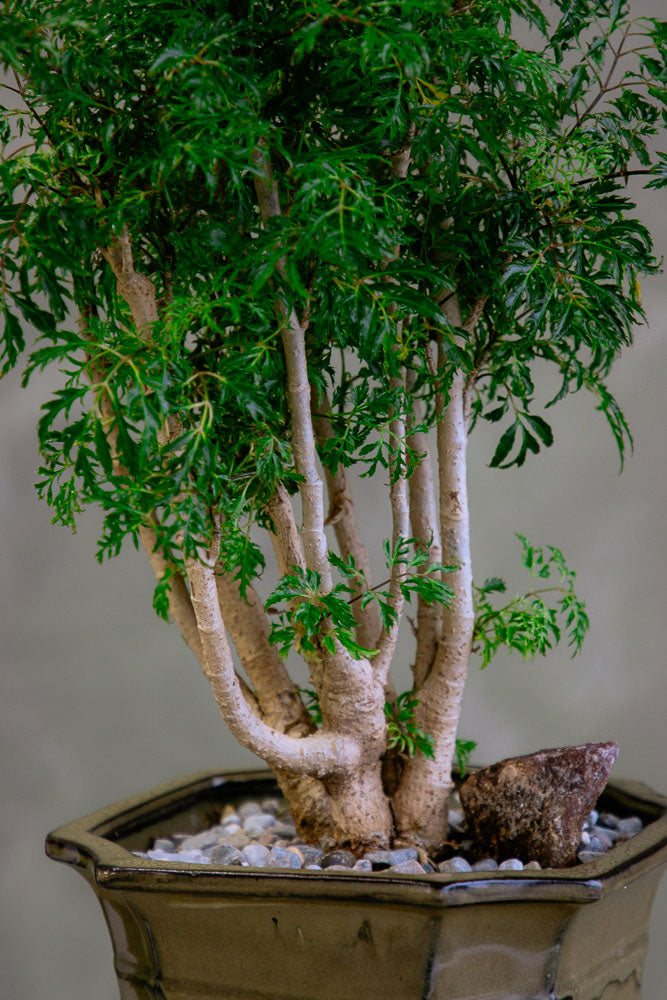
x=342, y=516
x=420, y=803
x=424, y=519
x=248, y=627
x=286, y=541
x=293, y=336
x=320, y=755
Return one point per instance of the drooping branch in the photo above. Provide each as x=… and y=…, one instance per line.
x=321, y=755
x=424, y=521
x=180, y=607
x=293, y=335
x=343, y=518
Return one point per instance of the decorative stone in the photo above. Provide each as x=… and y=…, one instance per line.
x=200, y=841
x=362, y=865
x=510, y=865
x=163, y=844
x=535, y=806
x=284, y=829
x=256, y=855
x=485, y=865
x=606, y=819
x=311, y=855
x=409, y=867
x=281, y=858
x=455, y=819
x=271, y=806
x=194, y=857
x=532, y=866
x=344, y=858
x=238, y=839
x=454, y=865
x=629, y=827
x=401, y=854
x=247, y=809
x=224, y=855
x=256, y=824
x=380, y=859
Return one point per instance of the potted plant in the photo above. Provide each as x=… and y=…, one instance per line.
x=270, y=245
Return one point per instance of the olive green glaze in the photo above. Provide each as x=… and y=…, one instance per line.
x=200, y=932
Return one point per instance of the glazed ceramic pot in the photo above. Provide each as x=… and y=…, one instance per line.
x=184, y=931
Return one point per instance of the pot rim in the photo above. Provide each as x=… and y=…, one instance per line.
x=91, y=845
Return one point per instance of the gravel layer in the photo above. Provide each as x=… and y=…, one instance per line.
x=260, y=834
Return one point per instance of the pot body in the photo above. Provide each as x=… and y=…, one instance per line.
x=194, y=932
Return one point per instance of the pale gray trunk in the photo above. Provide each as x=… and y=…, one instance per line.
x=420, y=803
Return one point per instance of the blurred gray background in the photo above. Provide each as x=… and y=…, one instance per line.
x=100, y=699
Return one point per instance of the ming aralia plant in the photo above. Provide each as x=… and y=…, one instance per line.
x=269, y=243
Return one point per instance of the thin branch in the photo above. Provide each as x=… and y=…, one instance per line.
x=612, y=175
x=298, y=392
x=400, y=519
x=285, y=536
x=618, y=53
x=425, y=527
x=180, y=607
x=343, y=518
x=398, y=491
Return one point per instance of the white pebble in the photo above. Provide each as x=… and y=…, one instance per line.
x=511, y=865
x=454, y=865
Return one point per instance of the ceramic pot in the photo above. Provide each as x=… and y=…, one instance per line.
x=183, y=931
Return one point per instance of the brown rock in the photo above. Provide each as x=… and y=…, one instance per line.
x=534, y=807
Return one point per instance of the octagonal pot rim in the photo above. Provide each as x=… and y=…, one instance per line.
x=93, y=845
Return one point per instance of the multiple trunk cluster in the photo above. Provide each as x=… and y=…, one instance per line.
x=338, y=781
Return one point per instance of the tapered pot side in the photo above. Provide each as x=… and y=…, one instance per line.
x=183, y=931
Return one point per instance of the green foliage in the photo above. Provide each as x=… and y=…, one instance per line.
x=402, y=732
x=464, y=750
x=145, y=115
x=312, y=704
x=161, y=595
x=526, y=623
x=312, y=622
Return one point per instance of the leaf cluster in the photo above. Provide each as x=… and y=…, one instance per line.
x=403, y=734
x=528, y=623
x=312, y=622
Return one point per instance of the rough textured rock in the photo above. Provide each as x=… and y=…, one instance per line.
x=534, y=807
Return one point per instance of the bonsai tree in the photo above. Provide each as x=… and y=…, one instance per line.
x=272, y=245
